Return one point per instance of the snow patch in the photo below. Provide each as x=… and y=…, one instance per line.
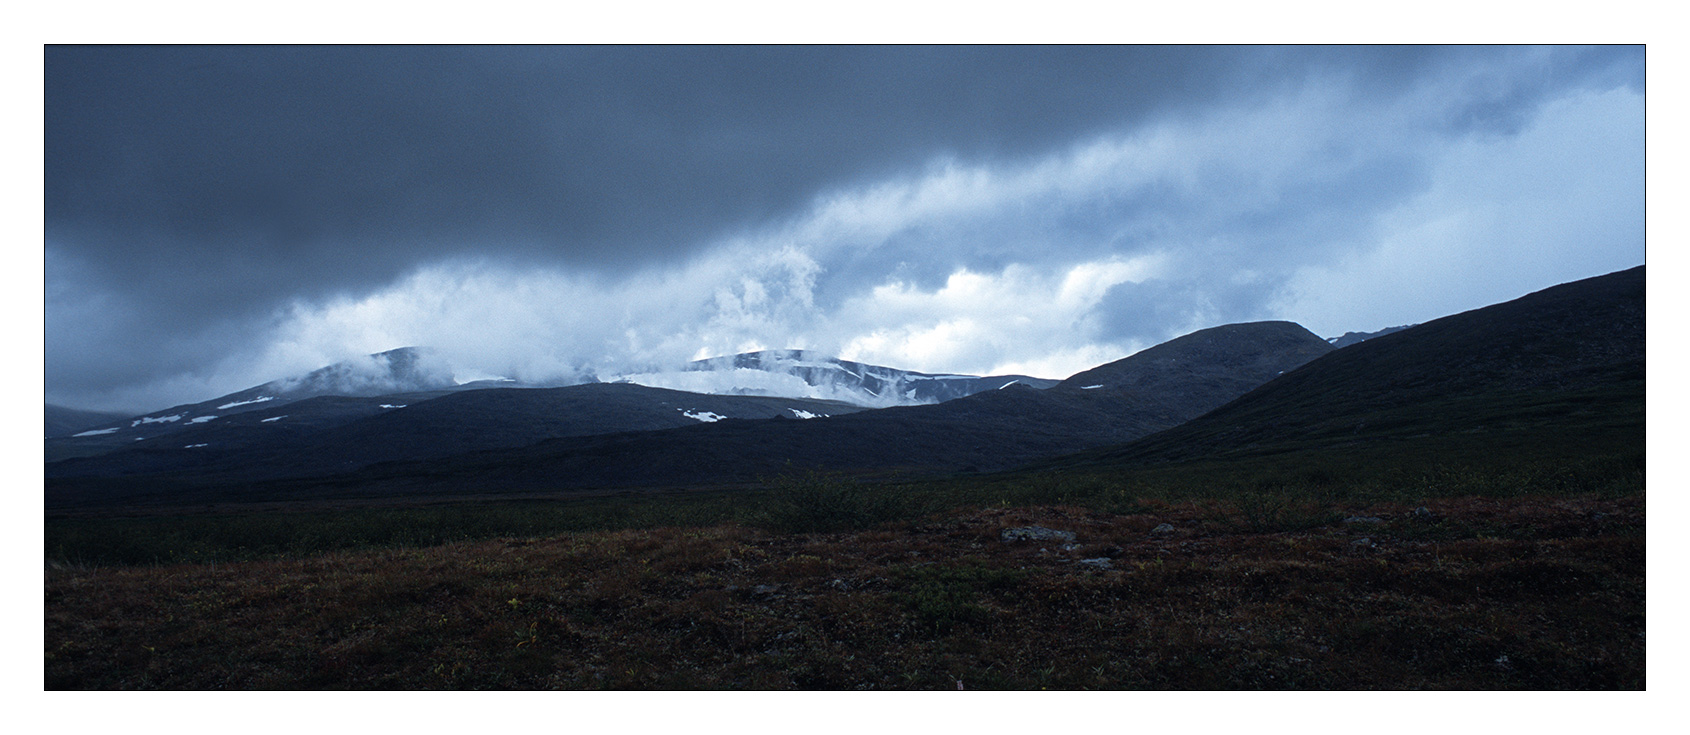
x=201, y=419
x=259, y=399
x=195, y=446
x=389, y=405
x=1091, y=387
x=475, y=376
x=754, y=382
x=807, y=364
x=98, y=432
x=705, y=416
x=806, y=414
x=274, y=418
x=156, y=420
x=1006, y=385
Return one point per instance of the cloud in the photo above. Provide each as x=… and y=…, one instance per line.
x=1021, y=319
x=624, y=213
x=1501, y=216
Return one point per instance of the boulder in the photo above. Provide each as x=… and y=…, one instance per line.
x=1036, y=533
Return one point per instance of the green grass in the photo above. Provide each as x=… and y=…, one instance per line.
x=1283, y=491
x=228, y=537
x=820, y=502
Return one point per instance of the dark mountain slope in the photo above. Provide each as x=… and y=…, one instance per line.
x=410, y=375
x=231, y=421
x=403, y=375
x=62, y=421
x=1555, y=362
x=1356, y=338
x=241, y=436
x=516, y=417
x=1158, y=388
x=986, y=431
x=330, y=434
x=1204, y=369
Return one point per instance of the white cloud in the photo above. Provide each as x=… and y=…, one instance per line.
x=543, y=325
x=982, y=323
x=1321, y=205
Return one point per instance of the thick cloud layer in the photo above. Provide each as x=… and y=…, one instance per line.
x=219, y=217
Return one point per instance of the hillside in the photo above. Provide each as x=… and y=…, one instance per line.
x=63, y=421
x=1159, y=387
x=395, y=377
x=407, y=376
x=333, y=434
x=1355, y=338
x=983, y=432
x=1565, y=364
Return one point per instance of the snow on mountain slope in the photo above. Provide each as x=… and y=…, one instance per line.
x=802, y=374
x=63, y=421
x=407, y=371
x=407, y=375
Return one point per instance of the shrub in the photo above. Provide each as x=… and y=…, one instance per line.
x=943, y=596
x=822, y=502
x=1282, y=509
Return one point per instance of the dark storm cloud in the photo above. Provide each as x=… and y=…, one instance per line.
x=596, y=154
x=203, y=183
x=193, y=193
x=200, y=184
x=345, y=164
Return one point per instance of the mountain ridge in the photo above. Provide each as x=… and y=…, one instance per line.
x=1568, y=358
x=409, y=374
x=984, y=431
x=1532, y=358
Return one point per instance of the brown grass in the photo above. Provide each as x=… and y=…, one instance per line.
x=1486, y=594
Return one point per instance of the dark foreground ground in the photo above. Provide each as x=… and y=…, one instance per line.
x=1473, y=593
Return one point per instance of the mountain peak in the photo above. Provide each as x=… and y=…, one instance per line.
x=1259, y=350
x=402, y=370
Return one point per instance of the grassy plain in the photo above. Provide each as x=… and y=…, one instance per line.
x=1514, y=576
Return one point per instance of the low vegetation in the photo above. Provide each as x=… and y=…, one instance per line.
x=1452, y=577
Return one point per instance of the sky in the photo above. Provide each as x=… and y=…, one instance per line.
x=218, y=217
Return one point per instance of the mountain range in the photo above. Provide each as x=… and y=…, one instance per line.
x=361, y=388
x=335, y=433
x=1565, y=364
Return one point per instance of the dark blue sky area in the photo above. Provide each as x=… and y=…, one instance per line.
x=219, y=216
